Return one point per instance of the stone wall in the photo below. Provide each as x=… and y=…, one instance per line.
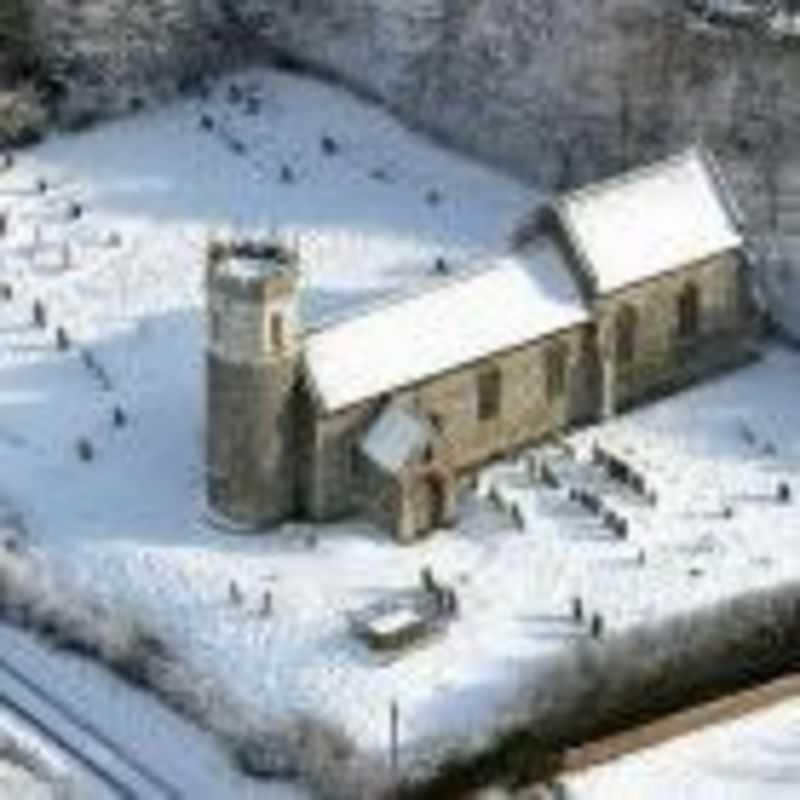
x=240, y=330
x=250, y=440
x=659, y=354
x=525, y=414
x=252, y=391
x=334, y=485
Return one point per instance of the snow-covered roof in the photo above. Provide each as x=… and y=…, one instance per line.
x=500, y=305
x=651, y=220
x=394, y=437
x=255, y=261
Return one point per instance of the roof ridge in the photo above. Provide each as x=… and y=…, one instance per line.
x=636, y=173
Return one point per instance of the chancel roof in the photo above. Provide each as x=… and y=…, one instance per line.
x=651, y=220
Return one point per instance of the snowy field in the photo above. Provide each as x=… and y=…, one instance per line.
x=753, y=758
x=130, y=525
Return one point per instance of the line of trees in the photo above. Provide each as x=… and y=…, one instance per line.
x=15, y=40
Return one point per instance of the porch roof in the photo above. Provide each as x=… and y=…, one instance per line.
x=395, y=437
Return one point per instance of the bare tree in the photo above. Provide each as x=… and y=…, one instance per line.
x=772, y=151
x=14, y=28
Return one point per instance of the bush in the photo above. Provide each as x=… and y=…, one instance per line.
x=23, y=119
x=601, y=687
x=134, y=654
x=80, y=109
x=38, y=764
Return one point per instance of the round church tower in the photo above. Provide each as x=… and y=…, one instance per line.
x=253, y=351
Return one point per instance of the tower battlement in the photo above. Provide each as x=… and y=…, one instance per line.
x=252, y=269
x=252, y=300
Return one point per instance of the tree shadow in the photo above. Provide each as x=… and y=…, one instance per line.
x=175, y=171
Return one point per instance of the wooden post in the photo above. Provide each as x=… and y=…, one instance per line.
x=609, y=388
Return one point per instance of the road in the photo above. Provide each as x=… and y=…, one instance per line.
x=716, y=712
x=121, y=742
x=79, y=740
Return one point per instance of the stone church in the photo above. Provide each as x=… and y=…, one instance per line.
x=607, y=296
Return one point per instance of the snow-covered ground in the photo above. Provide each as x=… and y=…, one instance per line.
x=130, y=525
x=715, y=456
x=753, y=758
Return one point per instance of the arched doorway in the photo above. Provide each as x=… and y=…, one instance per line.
x=430, y=504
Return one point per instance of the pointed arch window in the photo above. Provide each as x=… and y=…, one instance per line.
x=688, y=309
x=490, y=387
x=555, y=370
x=627, y=330
x=277, y=332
